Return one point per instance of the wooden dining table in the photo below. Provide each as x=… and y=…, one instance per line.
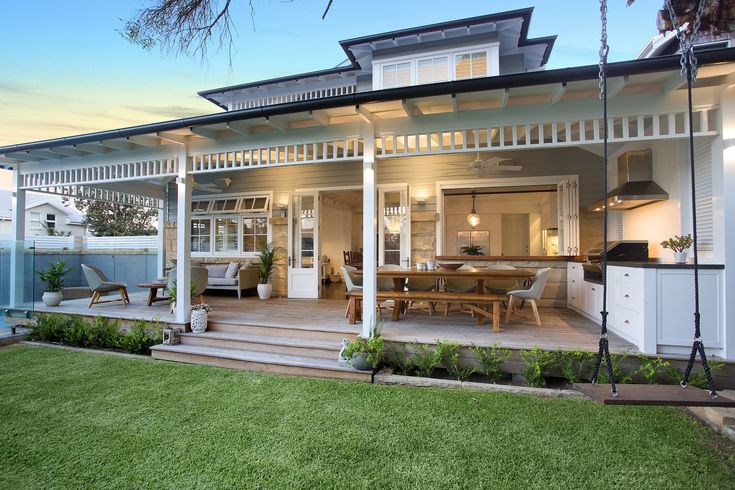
x=480, y=275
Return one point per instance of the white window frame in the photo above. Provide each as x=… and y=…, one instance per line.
x=469, y=52
x=53, y=222
x=35, y=220
x=212, y=216
x=492, y=51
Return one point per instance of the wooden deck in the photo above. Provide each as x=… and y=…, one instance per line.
x=560, y=329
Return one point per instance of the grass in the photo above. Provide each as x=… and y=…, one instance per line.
x=73, y=419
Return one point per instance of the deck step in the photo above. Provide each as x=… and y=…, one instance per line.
x=258, y=361
x=291, y=331
x=323, y=349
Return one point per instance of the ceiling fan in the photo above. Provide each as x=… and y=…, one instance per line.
x=480, y=166
x=210, y=186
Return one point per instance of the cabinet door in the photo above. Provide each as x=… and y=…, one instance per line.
x=592, y=308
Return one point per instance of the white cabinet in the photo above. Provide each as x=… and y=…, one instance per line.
x=575, y=289
x=593, y=300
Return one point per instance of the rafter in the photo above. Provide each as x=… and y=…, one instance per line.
x=178, y=139
x=240, y=128
x=46, y=155
x=93, y=148
x=68, y=151
x=210, y=133
x=121, y=144
x=24, y=157
x=280, y=125
x=673, y=82
x=616, y=85
x=505, y=98
x=364, y=114
x=455, y=104
x=320, y=116
x=145, y=140
x=558, y=92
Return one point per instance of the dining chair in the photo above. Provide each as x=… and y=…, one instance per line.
x=350, y=283
x=501, y=286
x=421, y=284
x=460, y=285
x=532, y=294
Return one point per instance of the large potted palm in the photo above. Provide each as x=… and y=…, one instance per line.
x=268, y=255
x=53, y=276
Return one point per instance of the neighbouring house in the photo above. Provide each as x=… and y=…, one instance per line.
x=44, y=212
x=432, y=140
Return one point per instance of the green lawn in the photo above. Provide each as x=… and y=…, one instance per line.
x=70, y=419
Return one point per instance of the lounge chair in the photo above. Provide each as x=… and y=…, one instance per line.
x=99, y=284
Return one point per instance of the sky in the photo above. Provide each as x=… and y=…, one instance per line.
x=65, y=69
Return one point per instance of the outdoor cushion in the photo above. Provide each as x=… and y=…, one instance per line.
x=232, y=269
x=216, y=270
x=222, y=281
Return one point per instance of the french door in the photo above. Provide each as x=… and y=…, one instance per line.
x=303, y=246
x=394, y=225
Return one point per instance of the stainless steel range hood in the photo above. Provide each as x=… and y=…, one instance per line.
x=636, y=186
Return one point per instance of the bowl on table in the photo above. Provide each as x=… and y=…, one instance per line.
x=450, y=266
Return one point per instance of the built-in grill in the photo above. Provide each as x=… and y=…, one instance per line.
x=618, y=251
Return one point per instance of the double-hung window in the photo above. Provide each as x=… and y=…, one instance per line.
x=51, y=221
x=201, y=233
x=225, y=235
x=254, y=233
x=35, y=221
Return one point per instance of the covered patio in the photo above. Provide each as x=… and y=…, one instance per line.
x=562, y=329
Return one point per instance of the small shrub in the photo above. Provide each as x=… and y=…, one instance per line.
x=49, y=327
x=622, y=373
x=698, y=379
x=104, y=333
x=574, y=365
x=654, y=370
x=400, y=359
x=425, y=359
x=449, y=354
x=490, y=359
x=141, y=337
x=537, y=365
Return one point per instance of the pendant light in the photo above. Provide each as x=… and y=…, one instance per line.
x=473, y=219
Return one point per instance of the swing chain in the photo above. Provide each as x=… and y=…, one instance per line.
x=604, y=48
x=686, y=41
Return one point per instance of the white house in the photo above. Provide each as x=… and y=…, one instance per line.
x=385, y=154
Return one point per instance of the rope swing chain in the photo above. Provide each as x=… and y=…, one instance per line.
x=689, y=70
x=604, y=349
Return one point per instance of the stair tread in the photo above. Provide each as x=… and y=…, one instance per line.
x=254, y=356
x=341, y=330
x=267, y=339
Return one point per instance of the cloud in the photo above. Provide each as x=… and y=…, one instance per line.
x=18, y=88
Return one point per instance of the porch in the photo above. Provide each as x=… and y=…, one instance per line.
x=561, y=328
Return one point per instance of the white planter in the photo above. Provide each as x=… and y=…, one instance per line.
x=265, y=291
x=52, y=299
x=680, y=257
x=198, y=321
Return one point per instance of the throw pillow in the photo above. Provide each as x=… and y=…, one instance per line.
x=232, y=269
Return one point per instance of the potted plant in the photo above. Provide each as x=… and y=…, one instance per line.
x=365, y=353
x=173, y=293
x=53, y=276
x=472, y=250
x=199, y=317
x=679, y=245
x=268, y=255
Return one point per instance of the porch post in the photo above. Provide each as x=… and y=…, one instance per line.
x=369, y=230
x=18, y=235
x=183, y=238
x=727, y=113
x=161, y=237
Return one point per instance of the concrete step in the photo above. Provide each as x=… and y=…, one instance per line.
x=258, y=361
x=291, y=331
x=322, y=349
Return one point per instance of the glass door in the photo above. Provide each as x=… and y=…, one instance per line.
x=394, y=218
x=303, y=239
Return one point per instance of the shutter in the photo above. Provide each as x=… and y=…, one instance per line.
x=568, y=209
x=705, y=205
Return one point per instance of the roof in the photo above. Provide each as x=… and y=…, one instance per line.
x=562, y=75
x=33, y=200
x=349, y=45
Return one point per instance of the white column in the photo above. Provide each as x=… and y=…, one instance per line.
x=727, y=110
x=18, y=235
x=369, y=230
x=183, y=238
x=161, y=237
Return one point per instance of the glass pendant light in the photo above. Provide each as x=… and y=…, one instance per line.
x=473, y=219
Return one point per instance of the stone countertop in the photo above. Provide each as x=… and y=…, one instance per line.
x=519, y=258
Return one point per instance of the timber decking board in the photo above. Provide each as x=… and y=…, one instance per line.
x=560, y=329
x=653, y=395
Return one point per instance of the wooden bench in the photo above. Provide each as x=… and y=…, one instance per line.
x=468, y=300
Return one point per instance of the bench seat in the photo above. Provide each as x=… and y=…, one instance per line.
x=469, y=300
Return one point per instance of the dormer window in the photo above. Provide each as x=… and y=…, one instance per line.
x=437, y=66
x=396, y=75
x=470, y=65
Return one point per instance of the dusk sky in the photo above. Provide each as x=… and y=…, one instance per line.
x=65, y=69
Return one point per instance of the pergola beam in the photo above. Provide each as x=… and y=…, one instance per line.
x=67, y=151
x=320, y=116
x=178, y=139
x=280, y=125
x=673, y=82
x=505, y=98
x=455, y=104
x=46, y=155
x=210, y=133
x=123, y=144
x=616, y=85
x=93, y=147
x=24, y=157
x=145, y=140
x=364, y=114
